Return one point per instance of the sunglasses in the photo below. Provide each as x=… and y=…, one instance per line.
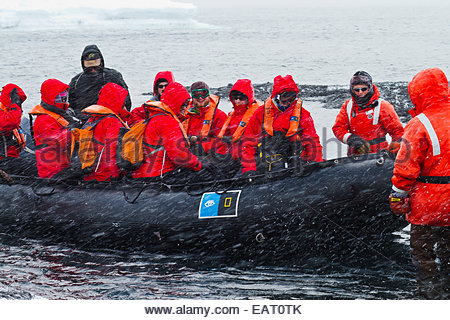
x=200, y=93
x=162, y=86
x=287, y=97
x=241, y=97
x=360, y=89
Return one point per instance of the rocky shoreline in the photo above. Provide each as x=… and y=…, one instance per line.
x=333, y=96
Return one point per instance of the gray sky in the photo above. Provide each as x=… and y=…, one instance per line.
x=312, y=3
x=112, y=4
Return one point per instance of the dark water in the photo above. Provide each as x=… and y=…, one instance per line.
x=30, y=270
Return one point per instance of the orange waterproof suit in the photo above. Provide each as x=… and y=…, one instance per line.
x=370, y=123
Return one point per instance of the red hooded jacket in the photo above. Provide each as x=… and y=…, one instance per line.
x=371, y=123
x=112, y=96
x=138, y=114
x=10, y=117
x=425, y=151
x=51, y=134
x=312, y=149
x=165, y=147
x=235, y=117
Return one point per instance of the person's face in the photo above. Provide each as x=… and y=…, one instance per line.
x=239, y=99
x=162, y=86
x=200, y=98
x=287, y=98
x=361, y=90
x=183, y=108
x=92, y=65
x=61, y=100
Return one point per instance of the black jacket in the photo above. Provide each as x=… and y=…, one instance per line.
x=85, y=86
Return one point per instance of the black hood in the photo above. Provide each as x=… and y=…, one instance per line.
x=92, y=48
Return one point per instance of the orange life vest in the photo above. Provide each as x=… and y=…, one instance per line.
x=132, y=141
x=244, y=121
x=85, y=136
x=17, y=133
x=209, y=117
x=294, y=124
x=38, y=110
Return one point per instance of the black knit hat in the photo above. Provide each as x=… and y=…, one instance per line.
x=361, y=77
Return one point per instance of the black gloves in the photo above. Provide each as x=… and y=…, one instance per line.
x=360, y=145
x=14, y=97
x=210, y=172
x=74, y=122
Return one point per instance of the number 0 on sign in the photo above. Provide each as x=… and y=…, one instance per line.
x=219, y=205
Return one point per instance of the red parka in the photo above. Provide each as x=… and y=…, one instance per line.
x=51, y=134
x=369, y=123
x=111, y=99
x=194, y=123
x=165, y=146
x=140, y=113
x=10, y=117
x=312, y=149
x=422, y=166
x=236, y=118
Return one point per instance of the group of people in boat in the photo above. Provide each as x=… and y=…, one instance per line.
x=182, y=135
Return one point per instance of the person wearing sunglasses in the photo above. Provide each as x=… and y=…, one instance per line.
x=203, y=120
x=84, y=88
x=421, y=182
x=280, y=133
x=162, y=80
x=244, y=104
x=365, y=119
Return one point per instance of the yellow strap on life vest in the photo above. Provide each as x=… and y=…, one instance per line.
x=294, y=123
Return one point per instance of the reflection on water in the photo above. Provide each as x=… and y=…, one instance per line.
x=30, y=270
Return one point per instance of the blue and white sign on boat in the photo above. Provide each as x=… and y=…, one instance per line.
x=219, y=205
